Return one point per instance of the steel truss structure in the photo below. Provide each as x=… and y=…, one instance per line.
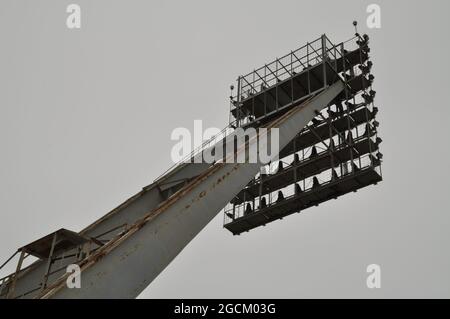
x=320, y=97
x=336, y=153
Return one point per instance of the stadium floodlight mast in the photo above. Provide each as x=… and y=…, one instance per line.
x=321, y=100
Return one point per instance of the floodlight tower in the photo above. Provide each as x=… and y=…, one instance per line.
x=321, y=100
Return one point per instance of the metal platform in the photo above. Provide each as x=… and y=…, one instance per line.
x=60, y=245
x=302, y=200
x=341, y=121
x=331, y=143
x=274, y=88
x=54, y=243
x=300, y=170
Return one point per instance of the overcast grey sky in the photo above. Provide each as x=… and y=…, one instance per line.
x=86, y=117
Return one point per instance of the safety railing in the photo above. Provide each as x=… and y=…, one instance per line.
x=365, y=162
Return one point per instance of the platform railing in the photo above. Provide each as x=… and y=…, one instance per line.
x=279, y=69
x=285, y=67
x=197, y=151
x=273, y=74
x=234, y=212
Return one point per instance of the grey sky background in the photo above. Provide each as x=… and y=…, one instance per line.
x=86, y=117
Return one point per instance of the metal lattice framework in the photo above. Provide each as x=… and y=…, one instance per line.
x=336, y=153
x=319, y=96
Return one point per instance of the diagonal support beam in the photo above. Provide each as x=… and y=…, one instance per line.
x=147, y=248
